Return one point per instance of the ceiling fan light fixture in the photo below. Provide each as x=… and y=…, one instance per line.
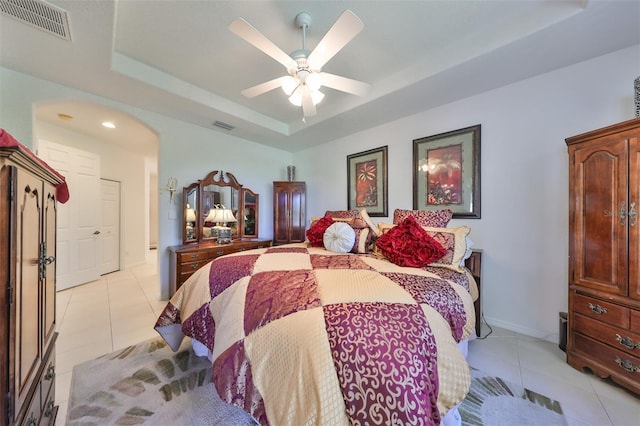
x=289, y=84
x=316, y=96
x=296, y=97
x=313, y=81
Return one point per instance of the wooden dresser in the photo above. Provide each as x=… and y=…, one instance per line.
x=289, y=212
x=28, y=292
x=188, y=258
x=604, y=253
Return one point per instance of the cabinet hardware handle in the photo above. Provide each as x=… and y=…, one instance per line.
x=622, y=213
x=49, y=410
x=220, y=252
x=194, y=266
x=597, y=309
x=627, y=365
x=633, y=214
x=194, y=256
x=51, y=373
x=627, y=342
x=32, y=420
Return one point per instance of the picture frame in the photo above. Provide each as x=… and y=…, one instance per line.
x=446, y=172
x=367, y=181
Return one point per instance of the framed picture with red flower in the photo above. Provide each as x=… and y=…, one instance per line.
x=367, y=181
x=446, y=172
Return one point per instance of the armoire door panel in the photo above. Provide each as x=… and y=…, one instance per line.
x=601, y=263
x=27, y=290
x=634, y=217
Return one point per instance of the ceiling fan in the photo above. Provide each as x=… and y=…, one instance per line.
x=304, y=66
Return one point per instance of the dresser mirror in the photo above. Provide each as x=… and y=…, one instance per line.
x=224, y=210
x=191, y=229
x=250, y=218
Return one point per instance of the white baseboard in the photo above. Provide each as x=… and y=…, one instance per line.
x=531, y=332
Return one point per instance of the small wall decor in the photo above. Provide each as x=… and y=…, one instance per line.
x=172, y=186
x=446, y=172
x=367, y=181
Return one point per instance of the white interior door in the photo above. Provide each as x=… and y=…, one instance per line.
x=110, y=226
x=78, y=236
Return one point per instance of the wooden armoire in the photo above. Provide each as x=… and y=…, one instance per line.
x=289, y=212
x=27, y=293
x=604, y=253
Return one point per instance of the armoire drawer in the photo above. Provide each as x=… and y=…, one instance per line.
x=601, y=310
x=615, y=360
x=618, y=338
x=635, y=320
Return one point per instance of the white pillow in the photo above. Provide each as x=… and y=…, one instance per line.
x=339, y=238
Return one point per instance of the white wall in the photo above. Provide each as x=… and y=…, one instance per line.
x=524, y=165
x=186, y=152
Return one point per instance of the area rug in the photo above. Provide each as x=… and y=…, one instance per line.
x=150, y=384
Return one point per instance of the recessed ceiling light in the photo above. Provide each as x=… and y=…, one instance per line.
x=109, y=124
x=65, y=117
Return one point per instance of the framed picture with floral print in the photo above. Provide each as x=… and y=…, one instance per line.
x=367, y=181
x=446, y=172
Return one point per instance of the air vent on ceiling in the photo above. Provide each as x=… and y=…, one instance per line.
x=39, y=14
x=223, y=125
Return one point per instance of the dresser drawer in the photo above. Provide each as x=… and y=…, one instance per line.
x=601, y=310
x=192, y=256
x=624, y=340
x=623, y=364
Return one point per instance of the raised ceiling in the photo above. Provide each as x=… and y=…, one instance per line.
x=179, y=59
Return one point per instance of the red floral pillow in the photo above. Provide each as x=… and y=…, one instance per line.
x=407, y=244
x=315, y=233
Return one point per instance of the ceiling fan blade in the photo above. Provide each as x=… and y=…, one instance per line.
x=344, y=84
x=342, y=32
x=308, y=107
x=265, y=87
x=251, y=35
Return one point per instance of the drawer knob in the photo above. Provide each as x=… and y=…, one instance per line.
x=627, y=342
x=194, y=256
x=220, y=252
x=627, y=365
x=597, y=309
x=194, y=266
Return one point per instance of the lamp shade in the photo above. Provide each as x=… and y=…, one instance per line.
x=191, y=214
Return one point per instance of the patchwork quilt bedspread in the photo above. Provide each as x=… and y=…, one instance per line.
x=300, y=335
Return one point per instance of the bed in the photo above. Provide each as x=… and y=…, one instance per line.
x=301, y=334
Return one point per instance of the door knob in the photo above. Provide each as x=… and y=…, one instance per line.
x=96, y=233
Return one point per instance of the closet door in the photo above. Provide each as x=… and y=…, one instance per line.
x=599, y=225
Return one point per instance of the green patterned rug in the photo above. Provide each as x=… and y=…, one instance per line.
x=148, y=383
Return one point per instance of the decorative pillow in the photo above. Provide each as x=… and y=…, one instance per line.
x=367, y=219
x=363, y=235
x=342, y=214
x=315, y=233
x=339, y=238
x=434, y=218
x=407, y=244
x=454, y=241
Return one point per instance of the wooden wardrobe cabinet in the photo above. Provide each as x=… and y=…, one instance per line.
x=289, y=208
x=604, y=253
x=28, y=293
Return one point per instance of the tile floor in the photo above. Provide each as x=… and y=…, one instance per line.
x=120, y=309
